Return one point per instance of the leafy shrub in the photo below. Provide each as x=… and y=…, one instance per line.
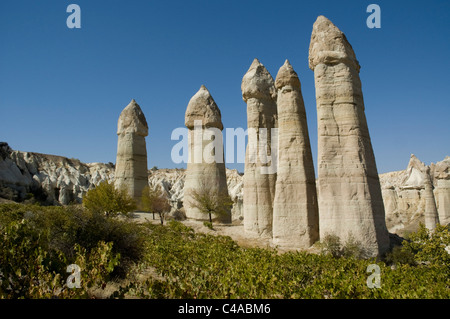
x=211, y=202
x=29, y=271
x=59, y=229
x=105, y=198
x=429, y=246
x=154, y=200
x=331, y=245
x=208, y=224
x=401, y=256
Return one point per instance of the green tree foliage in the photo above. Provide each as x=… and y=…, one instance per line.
x=154, y=200
x=105, y=198
x=431, y=247
x=208, y=201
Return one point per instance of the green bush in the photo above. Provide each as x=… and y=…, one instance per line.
x=105, y=198
x=401, y=256
x=331, y=245
x=28, y=270
x=59, y=230
x=208, y=225
x=429, y=246
x=154, y=200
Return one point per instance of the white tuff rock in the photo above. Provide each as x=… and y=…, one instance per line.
x=204, y=170
x=258, y=91
x=350, y=200
x=131, y=164
x=295, y=210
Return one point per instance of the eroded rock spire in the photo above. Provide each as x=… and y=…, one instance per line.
x=431, y=212
x=295, y=210
x=205, y=173
x=258, y=91
x=131, y=163
x=349, y=191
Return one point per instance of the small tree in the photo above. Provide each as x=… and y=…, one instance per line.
x=105, y=198
x=148, y=197
x=208, y=201
x=155, y=201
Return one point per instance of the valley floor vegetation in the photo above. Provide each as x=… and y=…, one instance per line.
x=38, y=243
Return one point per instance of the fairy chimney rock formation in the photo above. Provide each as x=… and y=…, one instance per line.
x=349, y=192
x=258, y=91
x=431, y=212
x=131, y=164
x=295, y=210
x=442, y=189
x=205, y=173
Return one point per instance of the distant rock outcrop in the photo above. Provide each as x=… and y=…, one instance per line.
x=47, y=178
x=405, y=196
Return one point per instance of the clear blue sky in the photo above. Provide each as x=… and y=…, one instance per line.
x=62, y=90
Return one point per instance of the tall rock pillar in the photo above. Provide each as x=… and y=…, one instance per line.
x=431, y=212
x=442, y=189
x=131, y=163
x=258, y=91
x=205, y=171
x=295, y=210
x=349, y=194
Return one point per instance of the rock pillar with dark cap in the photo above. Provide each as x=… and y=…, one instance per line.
x=349, y=194
x=206, y=167
x=258, y=91
x=131, y=164
x=295, y=210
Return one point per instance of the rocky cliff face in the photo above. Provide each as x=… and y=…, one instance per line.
x=404, y=194
x=48, y=178
x=59, y=180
